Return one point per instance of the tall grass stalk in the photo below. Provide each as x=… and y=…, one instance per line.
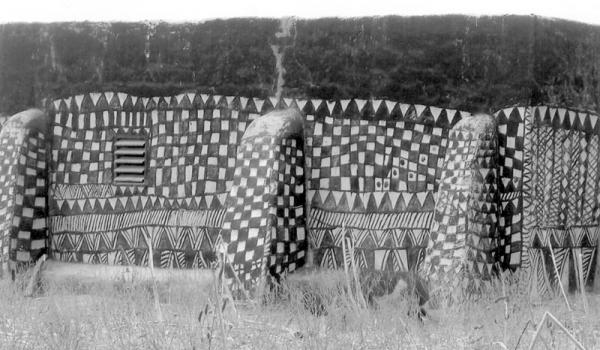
x=159, y=315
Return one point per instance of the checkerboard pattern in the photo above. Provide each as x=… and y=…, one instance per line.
x=194, y=154
x=464, y=228
x=375, y=170
x=23, y=231
x=290, y=242
x=369, y=156
x=249, y=222
x=191, y=145
x=264, y=226
x=374, y=177
x=511, y=136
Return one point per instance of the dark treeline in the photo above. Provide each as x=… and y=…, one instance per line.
x=461, y=62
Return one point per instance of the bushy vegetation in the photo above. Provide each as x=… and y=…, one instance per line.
x=462, y=62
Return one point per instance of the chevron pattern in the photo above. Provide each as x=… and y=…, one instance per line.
x=511, y=137
x=389, y=249
x=181, y=247
x=464, y=229
x=591, y=203
x=193, y=140
x=529, y=185
x=136, y=203
x=374, y=165
x=366, y=202
x=560, y=190
x=192, y=143
x=116, y=109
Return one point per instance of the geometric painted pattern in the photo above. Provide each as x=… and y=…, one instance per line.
x=264, y=226
x=373, y=169
x=23, y=212
x=511, y=135
x=385, y=173
x=180, y=238
x=288, y=247
x=191, y=142
x=560, y=191
x=248, y=228
x=464, y=229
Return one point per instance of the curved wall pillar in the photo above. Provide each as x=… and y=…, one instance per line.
x=264, y=226
x=23, y=174
x=463, y=239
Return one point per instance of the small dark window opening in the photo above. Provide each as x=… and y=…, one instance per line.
x=129, y=154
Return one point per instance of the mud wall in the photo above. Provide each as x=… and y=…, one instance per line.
x=373, y=168
x=265, y=223
x=373, y=172
x=550, y=191
x=392, y=176
x=188, y=161
x=23, y=190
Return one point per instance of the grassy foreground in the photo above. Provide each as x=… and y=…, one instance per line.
x=122, y=316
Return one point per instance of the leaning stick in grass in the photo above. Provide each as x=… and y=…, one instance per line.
x=566, y=331
x=346, y=272
x=581, y=278
x=562, y=290
x=235, y=276
x=360, y=296
x=560, y=325
x=537, y=331
x=151, y=266
x=522, y=332
x=35, y=276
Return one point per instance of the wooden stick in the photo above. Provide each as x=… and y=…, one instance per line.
x=537, y=331
x=581, y=278
x=346, y=272
x=558, y=275
x=560, y=325
x=151, y=266
x=35, y=276
x=522, y=332
x=360, y=296
x=226, y=262
x=566, y=331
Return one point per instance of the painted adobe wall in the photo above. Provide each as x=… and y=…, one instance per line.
x=265, y=223
x=191, y=145
x=464, y=241
x=550, y=190
x=387, y=170
x=373, y=172
x=375, y=169
x=23, y=173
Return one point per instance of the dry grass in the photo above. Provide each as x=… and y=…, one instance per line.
x=121, y=316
